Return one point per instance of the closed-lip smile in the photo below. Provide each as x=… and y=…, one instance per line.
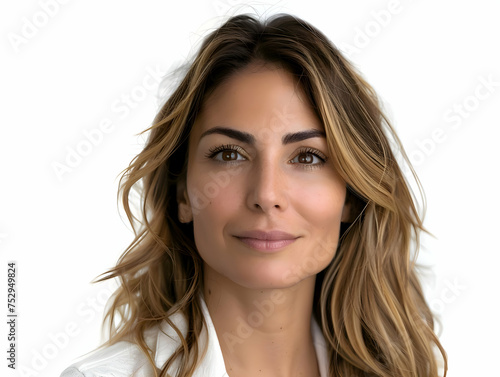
x=266, y=240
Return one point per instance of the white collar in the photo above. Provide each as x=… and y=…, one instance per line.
x=213, y=362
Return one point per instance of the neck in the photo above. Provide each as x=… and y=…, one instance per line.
x=262, y=331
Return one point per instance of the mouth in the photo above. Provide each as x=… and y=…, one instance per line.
x=267, y=241
x=266, y=245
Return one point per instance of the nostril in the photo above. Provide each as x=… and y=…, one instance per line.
x=257, y=206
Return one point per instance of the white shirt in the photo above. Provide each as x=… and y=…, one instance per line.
x=125, y=359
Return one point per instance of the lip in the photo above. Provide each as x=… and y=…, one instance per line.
x=266, y=241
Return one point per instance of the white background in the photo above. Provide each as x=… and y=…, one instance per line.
x=68, y=73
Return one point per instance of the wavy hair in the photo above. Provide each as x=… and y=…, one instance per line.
x=370, y=304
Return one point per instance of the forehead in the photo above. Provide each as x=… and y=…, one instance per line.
x=258, y=97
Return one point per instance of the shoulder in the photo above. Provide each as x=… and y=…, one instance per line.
x=125, y=359
x=122, y=359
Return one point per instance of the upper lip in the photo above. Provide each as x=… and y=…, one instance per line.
x=273, y=235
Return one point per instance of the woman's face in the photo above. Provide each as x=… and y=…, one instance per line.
x=259, y=168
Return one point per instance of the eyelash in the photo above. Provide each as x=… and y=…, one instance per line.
x=216, y=150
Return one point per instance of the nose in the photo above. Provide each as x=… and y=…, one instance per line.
x=267, y=188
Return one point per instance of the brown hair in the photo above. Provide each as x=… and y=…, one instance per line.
x=370, y=303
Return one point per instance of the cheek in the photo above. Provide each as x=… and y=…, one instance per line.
x=321, y=207
x=211, y=199
x=322, y=203
x=219, y=203
x=215, y=199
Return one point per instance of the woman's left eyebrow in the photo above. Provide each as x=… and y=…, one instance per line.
x=247, y=138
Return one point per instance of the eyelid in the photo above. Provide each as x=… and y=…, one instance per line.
x=315, y=151
x=213, y=151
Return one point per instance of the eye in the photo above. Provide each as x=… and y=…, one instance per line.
x=225, y=153
x=310, y=158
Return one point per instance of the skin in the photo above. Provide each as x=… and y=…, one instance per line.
x=265, y=185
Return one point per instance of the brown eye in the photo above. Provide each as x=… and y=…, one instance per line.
x=308, y=158
x=229, y=155
x=305, y=158
x=226, y=153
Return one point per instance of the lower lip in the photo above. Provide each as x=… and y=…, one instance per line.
x=266, y=245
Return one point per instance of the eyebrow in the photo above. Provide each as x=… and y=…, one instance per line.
x=247, y=138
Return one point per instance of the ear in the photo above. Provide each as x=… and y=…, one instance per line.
x=346, y=212
x=353, y=206
x=185, y=212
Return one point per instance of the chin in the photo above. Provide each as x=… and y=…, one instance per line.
x=267, y=277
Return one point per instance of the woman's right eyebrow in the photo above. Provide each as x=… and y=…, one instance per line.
x=247, y=138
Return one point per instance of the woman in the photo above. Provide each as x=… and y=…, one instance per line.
x=276, y=226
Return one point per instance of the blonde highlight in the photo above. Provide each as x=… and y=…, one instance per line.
x=371, y=307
